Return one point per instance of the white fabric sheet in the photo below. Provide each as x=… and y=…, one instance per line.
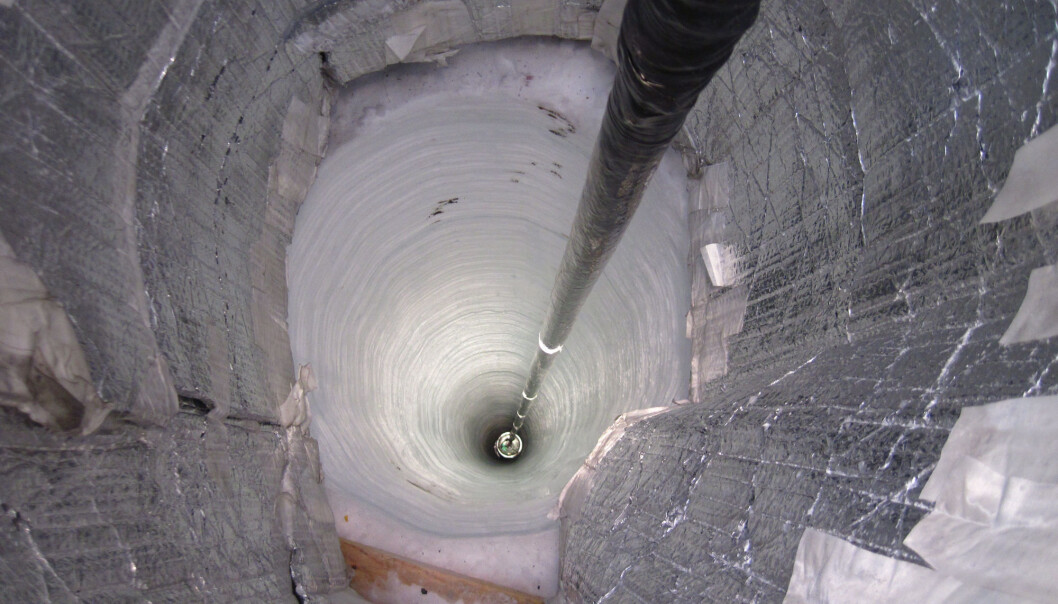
x=1037, y=318
x=1032, y=181
x=992, y=536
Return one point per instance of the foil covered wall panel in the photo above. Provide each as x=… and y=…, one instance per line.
x=859, y=174
x=61, y=211
x=358, y=38
x=795, y=196
x=177, y=514
x=210, y=137
x=109, y=39
x=150, y=180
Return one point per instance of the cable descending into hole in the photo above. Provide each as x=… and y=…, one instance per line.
x=667, y=52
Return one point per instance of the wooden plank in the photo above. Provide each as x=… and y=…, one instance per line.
x=385, y=578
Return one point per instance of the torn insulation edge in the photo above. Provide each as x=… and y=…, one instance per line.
x=294, y=411
x=1032, y=182
x=573, y=495
x=990, y=536
x=828, y=569
x=721, y=262
x=607, y=26
x=44, y=373
x=1037, y=317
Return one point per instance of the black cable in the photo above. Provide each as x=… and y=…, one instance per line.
x=668, y=51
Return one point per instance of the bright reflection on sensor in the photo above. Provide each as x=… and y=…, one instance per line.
x=508, y=445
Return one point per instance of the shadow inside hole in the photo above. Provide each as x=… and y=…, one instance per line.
x=489, y=430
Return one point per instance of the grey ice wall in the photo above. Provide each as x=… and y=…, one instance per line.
x=865, y=141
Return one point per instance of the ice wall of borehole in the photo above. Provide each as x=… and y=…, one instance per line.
x=422, y=264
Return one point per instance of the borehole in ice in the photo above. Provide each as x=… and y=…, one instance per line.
x=422, y=265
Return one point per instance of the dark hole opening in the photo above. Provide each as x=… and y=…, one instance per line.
x=493, y=431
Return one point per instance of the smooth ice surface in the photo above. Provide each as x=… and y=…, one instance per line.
x=420, y=270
